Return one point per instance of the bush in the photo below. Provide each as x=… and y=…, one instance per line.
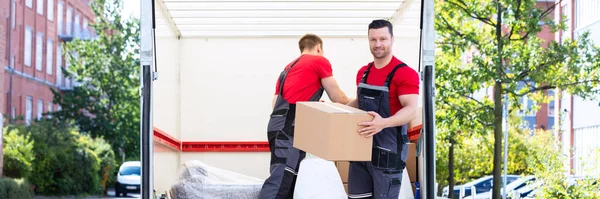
x=18, y=154
x=473, y=157
x=66, y=162
x=15, y=189
x=547, y=165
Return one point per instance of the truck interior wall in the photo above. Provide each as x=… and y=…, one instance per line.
x=227, y=86
x=165, y=111
x=166, y=88
x=166, y=167
x=220, y=89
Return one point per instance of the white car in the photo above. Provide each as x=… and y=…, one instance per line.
x=128, y=178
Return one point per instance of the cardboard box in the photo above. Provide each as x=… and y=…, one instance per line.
x=344, y=169
x=346, y=187
x=411, y=162
x=330, y=131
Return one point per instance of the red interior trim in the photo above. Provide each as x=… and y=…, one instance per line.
x=231, y=146
x=165, y=139
x=225, y=146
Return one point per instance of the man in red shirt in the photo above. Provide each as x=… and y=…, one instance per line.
x=388, y=89
x=304, y=79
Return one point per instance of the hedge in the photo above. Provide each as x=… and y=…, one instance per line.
x=15, y=189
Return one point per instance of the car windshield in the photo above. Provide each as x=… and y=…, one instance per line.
x=131, y=170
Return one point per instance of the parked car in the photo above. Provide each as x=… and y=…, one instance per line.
x=511, y=188
x=483, y=184
x=128, y=178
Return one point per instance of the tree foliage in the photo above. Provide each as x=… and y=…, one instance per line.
x=494, y=44
x=105, y=101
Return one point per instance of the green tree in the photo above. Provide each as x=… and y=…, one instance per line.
x=501, y=37
x=105, y=101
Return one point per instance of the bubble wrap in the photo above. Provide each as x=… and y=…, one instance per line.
x=201, y=181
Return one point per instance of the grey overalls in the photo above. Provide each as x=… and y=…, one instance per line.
x=381, y=177
x=285, y=159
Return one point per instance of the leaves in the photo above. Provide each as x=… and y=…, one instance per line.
x=106, y=102
x=477, y=49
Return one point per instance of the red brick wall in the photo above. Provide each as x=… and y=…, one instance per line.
x=27, y=81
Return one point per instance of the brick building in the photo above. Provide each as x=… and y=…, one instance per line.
x=32, y=37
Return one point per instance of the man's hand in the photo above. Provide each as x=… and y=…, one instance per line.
x=373, y=127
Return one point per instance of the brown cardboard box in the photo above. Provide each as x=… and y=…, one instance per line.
x=343, y=169
x=330, y=131
x=411, y=162
x=346, y=187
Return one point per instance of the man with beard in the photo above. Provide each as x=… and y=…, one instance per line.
x=304, y=79
x=388, y=89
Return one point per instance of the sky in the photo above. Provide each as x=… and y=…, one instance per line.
x=131, y=8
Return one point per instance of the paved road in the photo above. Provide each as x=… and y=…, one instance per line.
x=110, y=195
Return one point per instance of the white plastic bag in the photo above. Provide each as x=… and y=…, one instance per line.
x=318, y=178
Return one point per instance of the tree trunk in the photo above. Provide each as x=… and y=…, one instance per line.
x=498, y=108
x=451, y=169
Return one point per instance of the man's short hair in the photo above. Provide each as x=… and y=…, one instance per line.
x=309, y=41
x=380, y=23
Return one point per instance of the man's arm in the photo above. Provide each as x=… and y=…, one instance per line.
x=273, y=102
x=353, y=103
x=406, y=114
x=334, y=91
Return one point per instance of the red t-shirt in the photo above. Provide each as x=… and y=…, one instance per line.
x=304, y=79
x=405, y=81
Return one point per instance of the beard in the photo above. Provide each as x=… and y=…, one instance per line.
x=379, y=53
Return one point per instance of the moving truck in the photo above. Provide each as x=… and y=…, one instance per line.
x=209, y=70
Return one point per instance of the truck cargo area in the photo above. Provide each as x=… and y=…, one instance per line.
x=210, y=69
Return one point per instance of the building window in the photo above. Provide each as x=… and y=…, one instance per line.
x=40, y=109
x=38, y=51
x=59, y=18
x=14, y=16
x=28, y=46
x=28, y=106
x=50, y=109
x=69, y=20
x=77, y=25
x=51, y=10
x=59, y=65
x=551, y=103
x=29, y=3
x=49, y=56
x=13, y=112
x=40, y=7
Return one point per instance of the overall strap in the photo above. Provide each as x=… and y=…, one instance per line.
x=391, y=75
x=283, y=76
x=366, y=74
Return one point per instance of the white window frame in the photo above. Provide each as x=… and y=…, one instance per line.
x=28, y=55
x=49, y=56
x=69, y=29
x=59, y=18
x=29, y=3
x=50, y=11
x=40, y=7
x=28, y=110
x=40, y=108
x=39, y=49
